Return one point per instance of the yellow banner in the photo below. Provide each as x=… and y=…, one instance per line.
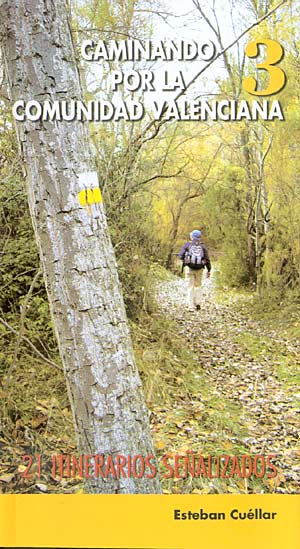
x=150, y=522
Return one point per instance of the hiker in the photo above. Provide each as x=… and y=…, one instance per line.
x=194, y=256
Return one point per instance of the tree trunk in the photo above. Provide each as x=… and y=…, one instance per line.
x=174, y=232
x=249, y=199
x=75, y=248
x=258, y=237
x=265, y=205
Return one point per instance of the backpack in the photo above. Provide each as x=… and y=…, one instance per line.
x=194, y=256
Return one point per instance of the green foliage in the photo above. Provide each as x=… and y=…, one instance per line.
x=19, y=256
x=118, y=19
x=136, y=248
x=226, y=213
x=18, y=267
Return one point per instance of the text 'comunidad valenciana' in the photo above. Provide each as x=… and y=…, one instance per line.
x=132, y=110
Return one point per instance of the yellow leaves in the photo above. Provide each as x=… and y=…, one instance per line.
x=41, y=408
x=66, y=412
x=205, y=490
x=234, y=489
x=179, y=380
x=273, y=483
x=198, y=415
x=139, y=351
x=39, y=421
x=44, y=404
x=7, y=477
x=21, y=468
x=183, y=449
x=227, y=445
x=80, y=491
x=160, y=445
x=243, y=485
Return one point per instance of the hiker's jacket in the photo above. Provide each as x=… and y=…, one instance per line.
x=196, y=242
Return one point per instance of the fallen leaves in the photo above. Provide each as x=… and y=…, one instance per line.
x=7, y=477
x=252, y=402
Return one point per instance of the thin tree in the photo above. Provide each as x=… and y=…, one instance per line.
x=75, y=249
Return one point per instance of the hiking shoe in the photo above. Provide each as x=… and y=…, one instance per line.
x=198, y=307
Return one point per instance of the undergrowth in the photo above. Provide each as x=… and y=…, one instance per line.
x=185, y=412
x=187, y=415
x=277, y=320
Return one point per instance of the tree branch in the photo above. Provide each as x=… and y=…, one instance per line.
x=160, y=176
x=224, y=50
x=31, y=345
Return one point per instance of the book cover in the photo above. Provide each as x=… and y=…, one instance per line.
x=149, y=297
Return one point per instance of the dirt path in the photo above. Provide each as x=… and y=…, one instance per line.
x=247, y=366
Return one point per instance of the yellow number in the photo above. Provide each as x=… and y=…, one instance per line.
x=277, y=76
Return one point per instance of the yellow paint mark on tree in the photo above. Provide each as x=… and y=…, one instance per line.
x=90, y=196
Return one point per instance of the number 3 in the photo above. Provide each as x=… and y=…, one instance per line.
x=277, y=76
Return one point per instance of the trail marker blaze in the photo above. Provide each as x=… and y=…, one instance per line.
x=90, y=193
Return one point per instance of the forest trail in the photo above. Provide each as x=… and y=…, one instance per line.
x=248, y=366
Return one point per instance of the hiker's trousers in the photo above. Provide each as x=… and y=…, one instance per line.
x=194, y=281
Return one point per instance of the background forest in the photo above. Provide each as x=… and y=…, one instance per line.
x=238, y=182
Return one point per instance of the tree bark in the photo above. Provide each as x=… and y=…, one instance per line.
x=250, y=206
x=174, y=232
x=74, y=244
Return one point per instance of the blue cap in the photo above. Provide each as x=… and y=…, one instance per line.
x=196, y=234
